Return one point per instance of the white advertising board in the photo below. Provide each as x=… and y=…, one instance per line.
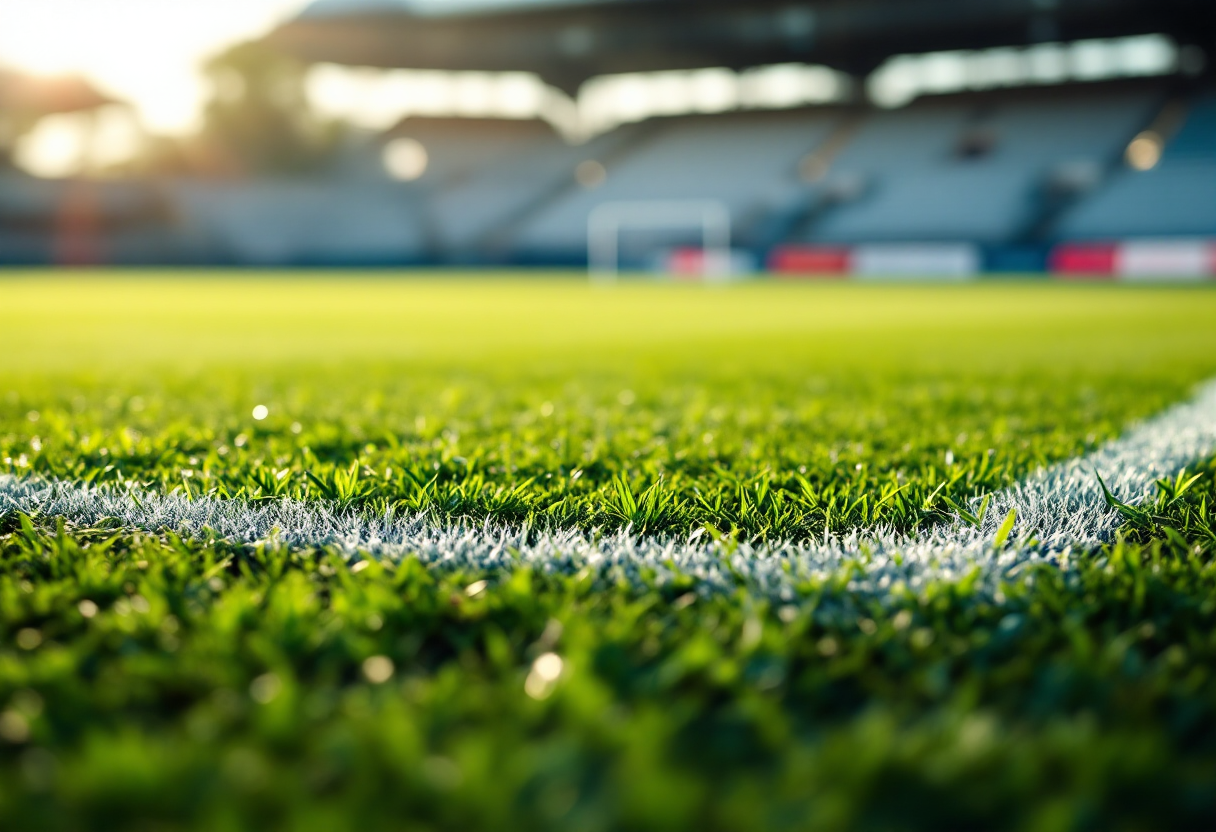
x=1165, y=260
x=911, y=261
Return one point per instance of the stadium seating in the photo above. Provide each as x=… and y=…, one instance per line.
x=1175, y=198
x=28, y=209
x=749, y=162
x=980, y=169
x=485, y=176
x=1001, y=169
x=83, y=222
x=300, y=223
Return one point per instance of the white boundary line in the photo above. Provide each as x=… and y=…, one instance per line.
x=1059, y=510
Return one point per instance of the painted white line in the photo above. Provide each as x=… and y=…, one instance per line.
x=1059, y=510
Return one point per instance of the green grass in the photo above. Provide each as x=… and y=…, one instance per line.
x=764, y=412
x=152, y=683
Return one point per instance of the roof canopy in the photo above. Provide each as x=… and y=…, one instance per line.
x=433, y=8
x=44, y=96
x=568, y=41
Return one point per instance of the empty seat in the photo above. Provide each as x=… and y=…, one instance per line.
x=740, y=160
x=928, y=177
x=1177, y=197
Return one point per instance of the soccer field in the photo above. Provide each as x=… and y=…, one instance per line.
x=319, y=551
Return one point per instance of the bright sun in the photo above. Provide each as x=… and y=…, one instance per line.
x=146, y=52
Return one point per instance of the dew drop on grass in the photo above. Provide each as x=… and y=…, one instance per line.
x=266, y=688
x=29, y=639
x=261, y=412
x=38, y=769
x=378, y=669
x=442, y=773
x=546, y=670
x=14, y=728
x=29, y=703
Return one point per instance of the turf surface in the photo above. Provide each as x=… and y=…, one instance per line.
x=761, y=412
x=148, y=682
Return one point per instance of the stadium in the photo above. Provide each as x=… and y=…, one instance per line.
x=1027, y=139
x=608, y=414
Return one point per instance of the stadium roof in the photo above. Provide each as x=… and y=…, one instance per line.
x=44, y=96
x=569, y=41
x=436, y=8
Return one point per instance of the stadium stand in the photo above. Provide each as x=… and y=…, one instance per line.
x=748, y=161
x=1176, y=197
x=84, y=223
x=994, y=169
x=28, y=209
x=300, y=223
x=1002, y=168
x=979, y=168
x=485, y=177
x=1003, y=176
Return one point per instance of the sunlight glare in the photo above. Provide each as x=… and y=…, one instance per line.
x=69, y=144
x=147, y=52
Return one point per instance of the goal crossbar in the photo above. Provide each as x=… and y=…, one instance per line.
x=609, y=219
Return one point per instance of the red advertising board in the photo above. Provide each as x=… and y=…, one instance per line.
x=810, y=261
x=1085, y=261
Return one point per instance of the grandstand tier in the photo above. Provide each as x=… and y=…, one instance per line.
x=1177, y=196
x=1091, y=147
x=1013, y=171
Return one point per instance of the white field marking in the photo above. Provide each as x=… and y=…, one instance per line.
x=1060, y=510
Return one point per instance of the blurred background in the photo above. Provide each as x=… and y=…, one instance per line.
x=827, y=137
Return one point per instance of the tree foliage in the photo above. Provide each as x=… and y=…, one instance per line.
x=258, y=120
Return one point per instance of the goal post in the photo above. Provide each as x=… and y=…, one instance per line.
x=609, y=219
